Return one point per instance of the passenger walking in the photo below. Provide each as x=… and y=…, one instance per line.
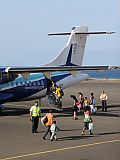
x=51, y=92
x=86, y=119
x=104, y=98
x=80, y=101
x=53, y=87
x=53, y=129
x=34, y=116
x=92, y=103
x=58, y=93
x=86, y=104
x=49, y=85
x=75, y=108
x=49, y=123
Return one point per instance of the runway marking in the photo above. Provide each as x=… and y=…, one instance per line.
x=61, y=149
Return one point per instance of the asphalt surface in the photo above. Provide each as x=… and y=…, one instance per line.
x=17, y=141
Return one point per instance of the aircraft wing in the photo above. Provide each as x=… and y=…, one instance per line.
x=19, y=70
x=46, y=70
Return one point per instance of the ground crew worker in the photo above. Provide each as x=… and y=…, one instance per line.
x=49, y=123
x=103, y=98
x=34, y=116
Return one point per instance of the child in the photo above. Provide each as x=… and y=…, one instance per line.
x=90, y=126
x=53, y=129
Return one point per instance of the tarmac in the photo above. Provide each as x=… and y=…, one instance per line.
x=17, y=142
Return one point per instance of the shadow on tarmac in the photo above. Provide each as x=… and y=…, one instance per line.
x=108, y=133
x=9, y=111
x=69, y=138
x=86, y=136
x=12, y=111
x=67, y=130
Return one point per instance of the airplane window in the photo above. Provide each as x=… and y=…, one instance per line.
x=34, y=83
x=38, y=83
x=42, y=82
x=30, y=83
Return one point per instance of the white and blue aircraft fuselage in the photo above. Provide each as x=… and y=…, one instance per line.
x=30, y=83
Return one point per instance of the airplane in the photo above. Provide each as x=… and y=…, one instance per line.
x=30, y=83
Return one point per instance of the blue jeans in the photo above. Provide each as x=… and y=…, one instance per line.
x=104, y=105
x=35, y=121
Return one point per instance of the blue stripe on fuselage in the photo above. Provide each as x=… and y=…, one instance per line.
x=68, y=61
x=34, y=84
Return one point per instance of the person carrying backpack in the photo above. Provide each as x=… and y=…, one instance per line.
x=59, y=93
x=49, y=123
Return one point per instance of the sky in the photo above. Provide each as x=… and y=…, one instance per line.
x=25, y=24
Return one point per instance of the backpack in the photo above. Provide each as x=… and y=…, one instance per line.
x=61, y=92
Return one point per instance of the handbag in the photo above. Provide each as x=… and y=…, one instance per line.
x=44, y=120
x=90, y=126
x=79, y=106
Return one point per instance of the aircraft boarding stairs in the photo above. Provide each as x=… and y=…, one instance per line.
x=54, y=102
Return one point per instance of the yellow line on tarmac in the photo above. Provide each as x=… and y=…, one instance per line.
x=61, y=149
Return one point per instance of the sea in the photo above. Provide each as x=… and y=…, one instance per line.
x=107, y=74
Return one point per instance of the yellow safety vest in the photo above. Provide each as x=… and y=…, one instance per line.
x=35, y=111
x=38, y=111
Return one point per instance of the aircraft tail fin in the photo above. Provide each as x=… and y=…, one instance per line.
x=72, y=53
